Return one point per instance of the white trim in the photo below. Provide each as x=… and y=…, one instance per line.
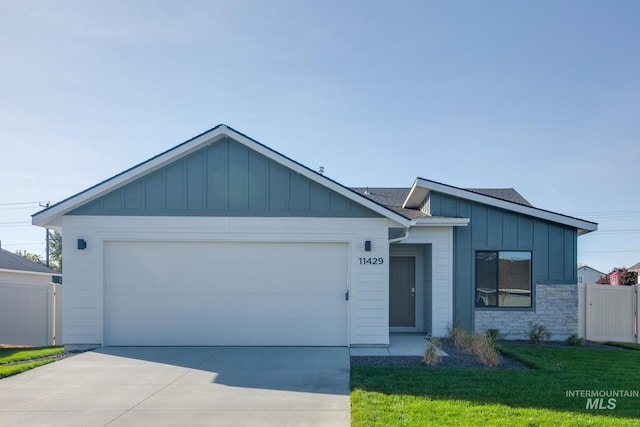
x=38, y=273
x=46, y=217
x=421, y=188
x=415, y=197
x=417, y=253
x=85, y=273
x=441, y=222
x=441, y=240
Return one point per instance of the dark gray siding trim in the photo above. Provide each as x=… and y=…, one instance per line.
x=553, y=246
x=225, y=179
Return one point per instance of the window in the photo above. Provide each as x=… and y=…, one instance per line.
x=503, y=279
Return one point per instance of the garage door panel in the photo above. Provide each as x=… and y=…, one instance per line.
x=234, y=332
x=216, y=307
x=180, y=293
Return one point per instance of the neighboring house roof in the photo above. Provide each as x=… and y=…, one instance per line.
x=11, y=261
x=422, y=187
x=584, y=267
x=50, y=217
x=635, y=266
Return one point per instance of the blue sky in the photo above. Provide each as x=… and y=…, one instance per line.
x=541, y=96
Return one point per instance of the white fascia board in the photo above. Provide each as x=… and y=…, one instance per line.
x=441, y=222
x=50, y=217
x=581, y=225
x=35, y=273
x=415, y=197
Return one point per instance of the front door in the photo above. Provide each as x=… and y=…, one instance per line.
x=402, y=292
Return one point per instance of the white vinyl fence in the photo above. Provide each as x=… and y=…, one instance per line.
x=608, y=313
x=30, y=314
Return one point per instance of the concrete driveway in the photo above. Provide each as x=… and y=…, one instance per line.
x=187, y=386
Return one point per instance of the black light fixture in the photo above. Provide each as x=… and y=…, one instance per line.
x=82, y=244
x=367, y=245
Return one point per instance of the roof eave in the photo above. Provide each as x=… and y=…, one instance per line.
x=50, y=217
x=582, y=226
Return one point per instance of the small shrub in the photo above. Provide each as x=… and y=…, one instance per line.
x=493, y=334
x=538, y=333
x=461, y=338
x=431, y=354
x=574, y=340
x=485, y=348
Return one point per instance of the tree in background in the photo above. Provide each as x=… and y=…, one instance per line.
x=31, y=257
x=626, y=277
x=55, y=251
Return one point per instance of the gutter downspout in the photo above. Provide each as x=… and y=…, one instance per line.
x=401, y=238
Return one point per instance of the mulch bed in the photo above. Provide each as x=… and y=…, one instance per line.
x=458, y=359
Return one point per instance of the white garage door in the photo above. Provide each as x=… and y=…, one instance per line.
x=193, y=293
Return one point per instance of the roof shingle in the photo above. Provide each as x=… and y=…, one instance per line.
x=394, y=197
x=11, y=261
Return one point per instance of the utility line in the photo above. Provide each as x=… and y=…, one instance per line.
x=20, y=203
x=606, y=252
x=22, y=244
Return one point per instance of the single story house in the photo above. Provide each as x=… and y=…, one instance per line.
x=224, y=241
x=635, y=268
x=29, y=296
x=588, y=274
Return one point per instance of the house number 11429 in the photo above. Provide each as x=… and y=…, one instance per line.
x=371, y=261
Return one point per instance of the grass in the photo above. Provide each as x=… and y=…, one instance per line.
x=461, y=397
x=10, y=359
x=8, y=370
x=18, y=354
x=628, y=346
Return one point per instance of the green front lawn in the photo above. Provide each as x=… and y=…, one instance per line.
x=9, y=357
x=628, y=346
x=461, y=397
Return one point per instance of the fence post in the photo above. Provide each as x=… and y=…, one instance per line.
x=582, y=312
x=51, y=301
x=635, y=313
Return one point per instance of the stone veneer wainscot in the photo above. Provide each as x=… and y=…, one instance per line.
x=556, y=308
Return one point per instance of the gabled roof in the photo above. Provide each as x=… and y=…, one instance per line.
x=584, y=267
x=11, y=261
x=635, y=266
x=50, y=217
x=421, y=188
x=394, y=198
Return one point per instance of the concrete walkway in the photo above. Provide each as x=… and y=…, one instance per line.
x=400, y=344
x=190, y=386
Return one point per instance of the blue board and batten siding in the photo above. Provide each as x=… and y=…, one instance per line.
x=553, y=246
x=225, y=179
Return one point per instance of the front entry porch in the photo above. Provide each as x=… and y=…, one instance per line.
x=400, y=344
